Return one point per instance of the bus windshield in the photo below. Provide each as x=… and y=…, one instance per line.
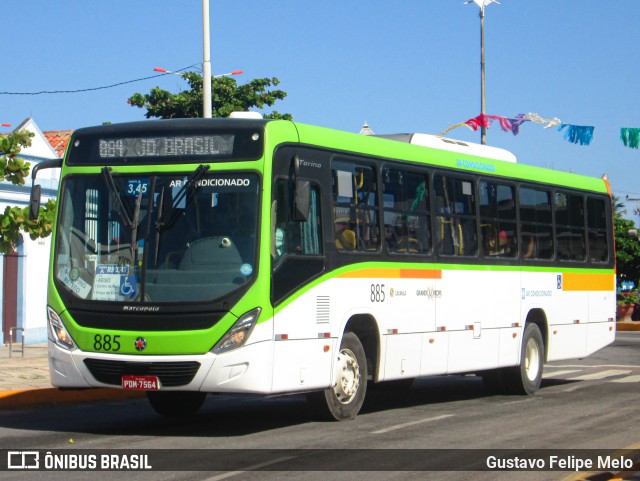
x=178, y=237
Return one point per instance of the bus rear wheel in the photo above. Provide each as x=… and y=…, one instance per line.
x=526, y=378
x=175, y=404
x=343, y=401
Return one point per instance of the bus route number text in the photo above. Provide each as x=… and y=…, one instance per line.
x=377, y=293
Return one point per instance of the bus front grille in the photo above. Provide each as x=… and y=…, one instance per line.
x=170, y=374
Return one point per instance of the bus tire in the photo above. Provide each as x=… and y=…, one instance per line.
x=175, y=404
x=343, y=401
x=526, y=378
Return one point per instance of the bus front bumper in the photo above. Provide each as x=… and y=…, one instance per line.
x=245, y=370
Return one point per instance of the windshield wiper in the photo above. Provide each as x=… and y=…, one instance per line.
x=121, y=210
x=172, y=213
x=186, y=189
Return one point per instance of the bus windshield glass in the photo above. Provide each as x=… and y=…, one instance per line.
x=188, y=237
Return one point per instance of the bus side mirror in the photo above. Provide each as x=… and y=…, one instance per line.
x=301, y=195
x=34, y=201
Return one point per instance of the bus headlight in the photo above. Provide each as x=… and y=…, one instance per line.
x=239, y=332
x=57, y=332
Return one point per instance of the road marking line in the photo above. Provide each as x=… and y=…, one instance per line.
x=412, y=423
x=628, y=379
x=559, y=373
x=599, y=375
x=591, y=366
x=250, y=468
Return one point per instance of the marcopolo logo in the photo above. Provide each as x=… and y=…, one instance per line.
x=140, y=308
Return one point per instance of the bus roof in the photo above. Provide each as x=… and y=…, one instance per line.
x=435, y=151
x=453, y=145
x=418, y=148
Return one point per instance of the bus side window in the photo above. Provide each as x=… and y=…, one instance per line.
x=570, y=226
x=597, y=230
x=407, y=219
x=290, y=237
x=456, y=222
x=536, y=221
x=355, y=207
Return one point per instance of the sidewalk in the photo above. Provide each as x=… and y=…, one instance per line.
x=24, y=381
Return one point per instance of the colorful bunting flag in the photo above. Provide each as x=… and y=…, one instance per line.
x=535, y=118
x=630, y=137
x=482, y=120
x=577, y=134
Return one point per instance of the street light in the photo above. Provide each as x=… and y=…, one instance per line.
x=636, y=211
x=482, y=4
x=163, y=70
x=209, y=102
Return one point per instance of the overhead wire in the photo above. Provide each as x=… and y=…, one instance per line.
x=42, y=92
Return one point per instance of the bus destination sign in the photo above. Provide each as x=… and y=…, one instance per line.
x=158, y=147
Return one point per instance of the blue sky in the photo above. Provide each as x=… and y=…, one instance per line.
x=402, y=66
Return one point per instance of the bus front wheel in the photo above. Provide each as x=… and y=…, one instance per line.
x=176, y=404
x=344, y=400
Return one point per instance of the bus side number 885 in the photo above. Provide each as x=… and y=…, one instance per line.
x=377, y=293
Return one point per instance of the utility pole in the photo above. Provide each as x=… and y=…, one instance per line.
x=206, y=63
x=483, y=106
x=482, y=4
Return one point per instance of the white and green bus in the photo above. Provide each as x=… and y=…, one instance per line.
x=270, y=257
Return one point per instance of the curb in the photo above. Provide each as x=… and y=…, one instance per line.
x=36, y=397
x=628, y=326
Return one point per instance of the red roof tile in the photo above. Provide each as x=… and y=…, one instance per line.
x=58, y=140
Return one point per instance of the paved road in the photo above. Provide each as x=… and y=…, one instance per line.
x=582, y=404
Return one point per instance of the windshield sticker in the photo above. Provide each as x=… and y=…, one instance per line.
x=128, y=286
x=112, y=269
x=137, y=186
x=108, y=283
x=246, y=269
x=77, y=285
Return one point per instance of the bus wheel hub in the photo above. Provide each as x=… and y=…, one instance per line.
x=348, y=376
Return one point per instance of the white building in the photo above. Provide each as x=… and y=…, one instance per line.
x=23, y=283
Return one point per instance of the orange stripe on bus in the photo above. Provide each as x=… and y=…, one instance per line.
x=420, y=274
x=393, y=273
x=588, y=282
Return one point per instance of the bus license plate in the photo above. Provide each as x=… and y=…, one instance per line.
x=144, y=383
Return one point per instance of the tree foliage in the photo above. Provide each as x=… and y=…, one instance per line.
x=15, y=220
x=227, y=97
x=627, y=247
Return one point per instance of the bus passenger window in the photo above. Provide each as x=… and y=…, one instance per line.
x=456, y=223
x=597, y=230
x=570, y=226
x=497, y=219
x=290, y=237
x=536, y=222
x=355, y=207
x=407, y=220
